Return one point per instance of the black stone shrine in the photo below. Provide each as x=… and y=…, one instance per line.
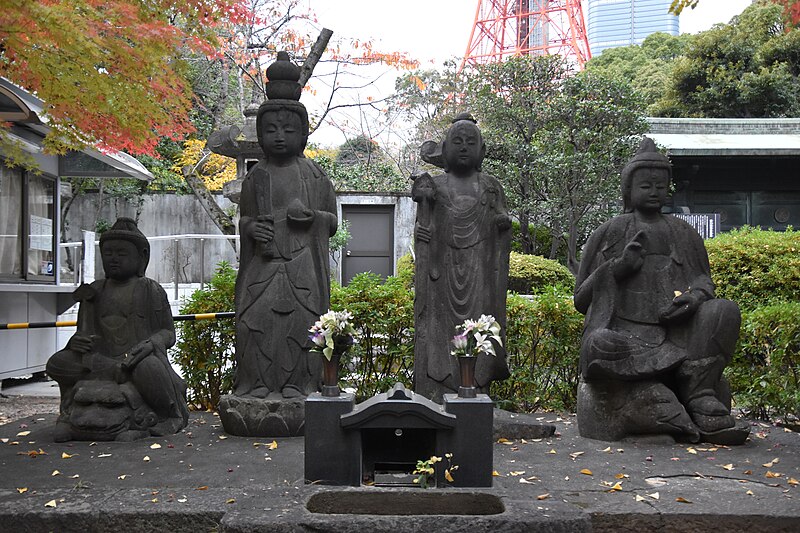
x=381, y=439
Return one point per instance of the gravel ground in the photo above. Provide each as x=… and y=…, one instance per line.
x=13, y=407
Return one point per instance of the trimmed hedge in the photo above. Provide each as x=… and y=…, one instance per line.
x=755, y=267
x=533, y=274
x=543, y=342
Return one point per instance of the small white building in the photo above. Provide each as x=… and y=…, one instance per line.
x=30, y=205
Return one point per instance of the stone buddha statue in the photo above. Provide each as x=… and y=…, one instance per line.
x=115, y=378
x=656, y=339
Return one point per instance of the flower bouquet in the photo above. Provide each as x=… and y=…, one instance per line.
x=332, y=335
x=474, y=337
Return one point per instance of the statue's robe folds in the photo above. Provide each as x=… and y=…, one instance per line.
x=462, y=273
x=280, y=294
x=624, y=338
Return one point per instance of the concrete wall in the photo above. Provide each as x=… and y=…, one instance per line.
x=172, y=214
x=161, y=215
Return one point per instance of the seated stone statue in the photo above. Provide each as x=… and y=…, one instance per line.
x=656, y=339
x=115, y=379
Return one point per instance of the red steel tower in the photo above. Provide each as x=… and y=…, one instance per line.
x=516, y=27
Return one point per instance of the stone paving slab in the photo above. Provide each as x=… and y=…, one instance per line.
x=203, y=480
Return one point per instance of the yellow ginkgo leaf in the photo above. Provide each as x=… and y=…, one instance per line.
x=495, y=473
x=230, y=500
x=23, y=433
x=448, y=476
x=22, y=490
x=586, y=471
x=65, y=455
x=728, y=466
x=543, y=496
x=55, y=473
x=51, y=503
x=155, y=446
x=273, y=445
x=682, y=500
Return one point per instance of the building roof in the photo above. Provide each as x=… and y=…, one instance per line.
x=727, y=137
x=19, y=106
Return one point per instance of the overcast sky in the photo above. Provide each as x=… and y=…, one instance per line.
x=433, y=31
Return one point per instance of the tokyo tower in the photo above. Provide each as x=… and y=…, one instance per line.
x=505, y=28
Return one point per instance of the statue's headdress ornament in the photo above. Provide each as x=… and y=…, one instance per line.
x=283, y=91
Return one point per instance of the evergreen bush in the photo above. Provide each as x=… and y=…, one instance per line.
x=205, y=350
x=383, y=316
x=542, y=342
x=755, y=267
x=765, y=372
x=533, y=274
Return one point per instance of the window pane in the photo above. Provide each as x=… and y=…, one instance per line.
x=41, y=213
x=10, y=221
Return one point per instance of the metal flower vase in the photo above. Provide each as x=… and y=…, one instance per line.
x=466, y=365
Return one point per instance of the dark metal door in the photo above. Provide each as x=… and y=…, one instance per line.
x=371, y=245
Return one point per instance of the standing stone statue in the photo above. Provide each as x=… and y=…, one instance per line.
x=288, y=214
x=655, y=338
x=462, y=245
x=115, y=378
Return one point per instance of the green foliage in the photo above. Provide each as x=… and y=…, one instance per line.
x=765, y=372
x=376, y=176
x=754, y=267
x=405, y=270
x=206, y=348
x=533, y=274
x=748, y=68
x=543, y=342
x=538, y=240
x=383, y=316
x=341, y=237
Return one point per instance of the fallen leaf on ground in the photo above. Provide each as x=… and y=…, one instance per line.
x=771, y=463
x=182, y=499
x=123, y=476
x=223, y=437
x=76, y=476
x=51, y=503
x=230, y=500
x=55, y=473
x=65, y=455
x=621, y=476
x=543, y=496
x=146, y=458
x=728, y=466
x=516, y=473
x=654, y=495
x=273, y=445
x=523, y=480
x=552, y=451
x=586, y=471
x=204, y=487
x=155, y=446
x=575, y=455
x=607, y=450
x=22, y=490
x=503, y=440
x=771, y=474
x=447, y=475
x=23, y=433
x=615, y=486
x=750, y=493
x=747, y=472
x=682, y=500
x=33, y=453
x=640, y=498
x=103, y=455
x=793, y=481
x=495, y=473
x=691, y=450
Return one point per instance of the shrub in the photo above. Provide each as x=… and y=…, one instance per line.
x=405, y=270
x=383, y=315
x=543, y=342
x=206, y=348
x=754, y=267
x=532, y=274
x=765, y=372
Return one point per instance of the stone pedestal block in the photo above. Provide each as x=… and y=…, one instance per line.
x=332, y=454
x=253, y=417
x=470, y=441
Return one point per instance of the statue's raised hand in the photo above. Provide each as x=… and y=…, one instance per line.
x=632, y=256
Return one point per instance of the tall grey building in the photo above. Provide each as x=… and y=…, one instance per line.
x=612, y=23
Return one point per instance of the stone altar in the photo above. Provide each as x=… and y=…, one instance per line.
x=462, y=243
x=115, y=378
x=656, y=339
